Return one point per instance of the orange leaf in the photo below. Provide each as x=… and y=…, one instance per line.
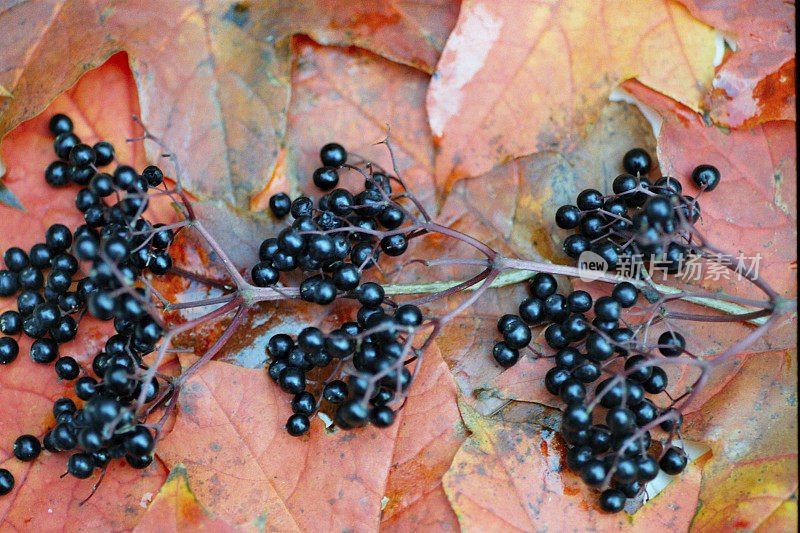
x=229, y=433
x=511, y=477
x=213, y=84
x=175, y=508
x=517, y=78
x=756, y=83
x=751, y=426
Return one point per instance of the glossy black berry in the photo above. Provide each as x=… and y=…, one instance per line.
x=370, y=294
x=593, y=226
x=58, y=238
x=637, y=162
x=104, y=153
x=64, y=143
x=554, y=378
x=85, y=387
x=10, y=322
x=590, y=199
x=353, y=413
x=575, y=244
x=333, y=155
x=671, y=344
x=408, y=315
x=27, y=448
x=612, y=500
x=59, y=123
x=625, y=293
x=620, y=419
x=6, y=482
x=657, y=381
x=578, y=456
x=706, y=177
x=298, y=425
x=67, y=368
x=9, y=282
x=292, y=380
x=543, y=285
x=140, y=441
x=57, y=174
x=624, y=184
x=335, y=392
x=326, y=178
x=504, y=355
x=555, y=308
x=280, y=204
x=9, y=350
x=593, y=473
x=598, y=348
x=44, y=351
x=264, y=274
x=568, y=217
x=579, y=301
x=554, y=337
x=80, y=465
x=82, y=155
x=517, y=335
x=673, y=461
x=646, y=468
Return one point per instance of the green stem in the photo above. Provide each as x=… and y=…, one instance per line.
x=510, y=277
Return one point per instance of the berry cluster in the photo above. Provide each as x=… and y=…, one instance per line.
x=116, y=245
x=332, y=242
x=642, y=219
x=613, y=456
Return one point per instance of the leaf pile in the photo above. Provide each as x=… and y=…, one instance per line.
x=499, y=112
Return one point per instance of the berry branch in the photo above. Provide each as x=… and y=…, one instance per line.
x=361, y=371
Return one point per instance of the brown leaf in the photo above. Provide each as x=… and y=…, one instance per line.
x=408, y=32
x=517, y=78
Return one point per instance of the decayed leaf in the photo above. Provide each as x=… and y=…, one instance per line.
x=510, y=476
x=756, y=83
x=176, y=508
x=230, y=435
x=751, y=426
x=517, y=78
x=212, y=86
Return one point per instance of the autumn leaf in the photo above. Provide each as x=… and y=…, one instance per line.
x=520, y=77
x=212, y=81
x=175, y=508
x=511, y=477
x=498, y=113
x=756, y=83
x=230, y=435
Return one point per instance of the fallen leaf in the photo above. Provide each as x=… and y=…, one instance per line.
x=517, y=78
x=510, y=476
x=230, y=435
x=212, y=86
x=751, y=426
x=175, y=508
x=755, y=83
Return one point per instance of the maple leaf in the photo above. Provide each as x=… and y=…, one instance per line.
x=246, y=102
x=519, y=77
x=756, y=83
x=230, y=435
x=212, y=81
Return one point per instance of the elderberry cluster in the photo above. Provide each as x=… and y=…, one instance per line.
x=642, y=220
x=332, y=242
x=612, y=456
x=116, y=245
